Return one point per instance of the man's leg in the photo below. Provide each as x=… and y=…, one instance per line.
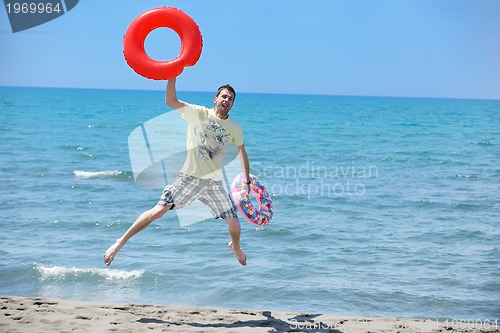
x=140, y=223
x=234, y=227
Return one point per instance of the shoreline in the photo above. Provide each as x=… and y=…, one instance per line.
x=36, y=314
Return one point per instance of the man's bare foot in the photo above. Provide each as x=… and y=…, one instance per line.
x=111, y=252
x=240, y=254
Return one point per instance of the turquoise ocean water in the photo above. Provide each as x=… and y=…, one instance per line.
x=383, y=206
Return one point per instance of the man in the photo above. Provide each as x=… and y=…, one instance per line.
x=209, y=133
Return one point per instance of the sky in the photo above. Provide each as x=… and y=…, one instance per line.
x=401, y=48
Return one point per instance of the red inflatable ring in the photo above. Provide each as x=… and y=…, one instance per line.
x=162, y=17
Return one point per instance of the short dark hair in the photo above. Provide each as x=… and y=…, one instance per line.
x=228, y=87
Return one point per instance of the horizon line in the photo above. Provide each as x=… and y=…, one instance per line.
x=260, y=93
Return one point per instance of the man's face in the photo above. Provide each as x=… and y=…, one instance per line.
x=224, y=101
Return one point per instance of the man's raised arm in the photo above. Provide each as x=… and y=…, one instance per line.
x=171, y=96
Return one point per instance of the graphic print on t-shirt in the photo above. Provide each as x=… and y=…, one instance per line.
x=211, y=140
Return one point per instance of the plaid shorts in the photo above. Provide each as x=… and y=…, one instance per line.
x=185, y=189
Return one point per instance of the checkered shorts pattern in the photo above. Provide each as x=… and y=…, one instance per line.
x=185, y=189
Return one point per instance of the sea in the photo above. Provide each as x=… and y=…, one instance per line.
x=382, y=206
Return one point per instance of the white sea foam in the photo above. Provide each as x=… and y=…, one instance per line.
x=98, y=174
x=62, y=273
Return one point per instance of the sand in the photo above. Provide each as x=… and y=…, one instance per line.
x=30, y=314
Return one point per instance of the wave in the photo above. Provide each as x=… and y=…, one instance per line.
x=484, y=143
x=467, y=205
x=467, y=176
x=62, y=273
x=116, y=174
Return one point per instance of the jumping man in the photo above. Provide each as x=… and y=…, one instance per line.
x=209, y=133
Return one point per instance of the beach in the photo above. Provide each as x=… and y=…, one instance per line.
x=384, y=208
x=33, y=314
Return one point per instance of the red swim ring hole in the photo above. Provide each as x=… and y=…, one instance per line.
x=162, y=17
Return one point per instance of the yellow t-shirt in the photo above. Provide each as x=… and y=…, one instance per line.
x=207, y=140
